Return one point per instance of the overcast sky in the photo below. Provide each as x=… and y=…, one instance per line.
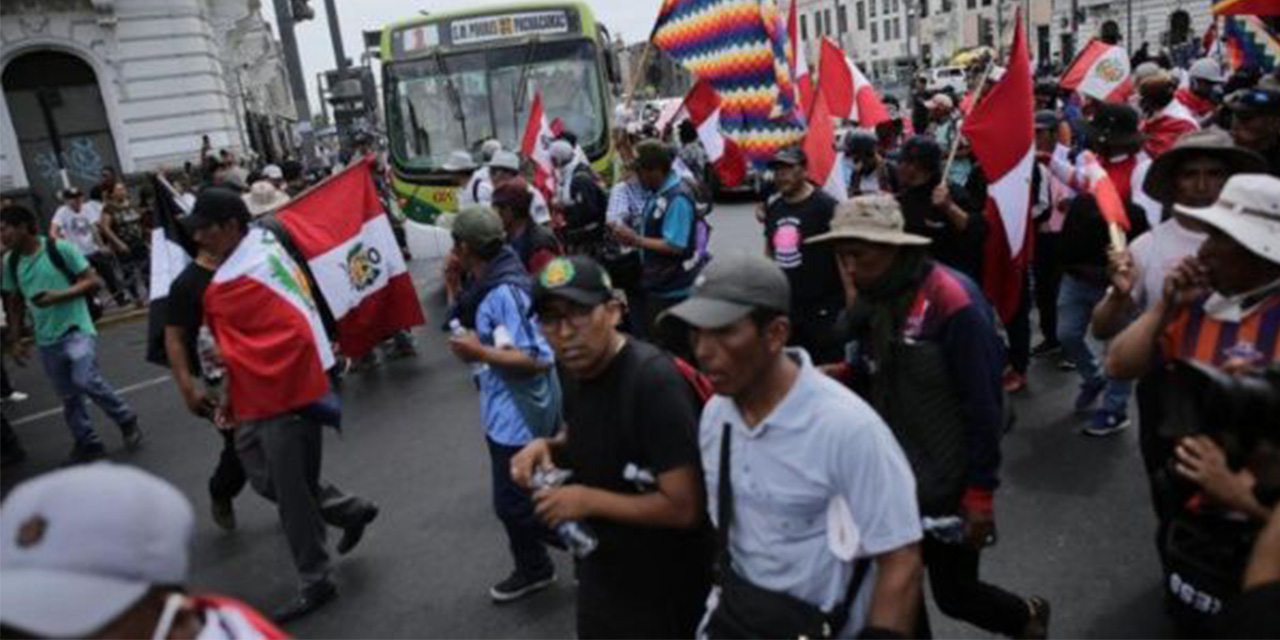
x=631, y=18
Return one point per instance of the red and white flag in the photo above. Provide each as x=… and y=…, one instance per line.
x=799, y=63
x=820, y=148
x=849, y=93
x=345, y=236
x=263, y=316
x=703, y=106
x=1101, y=72
x=1001, y=129
x=536, y=145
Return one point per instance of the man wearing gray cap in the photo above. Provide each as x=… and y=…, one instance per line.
x=102, y=551
x=841, y=547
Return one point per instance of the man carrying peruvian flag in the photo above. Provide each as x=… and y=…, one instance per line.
x=536, y=146
x=342, y=232
x=849, y=94
x=262, y=315
x=703, y=106
x=1001, y=129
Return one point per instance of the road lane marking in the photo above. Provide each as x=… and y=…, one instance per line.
x=47, y=413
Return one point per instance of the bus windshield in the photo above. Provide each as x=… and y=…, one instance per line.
x=455, y=101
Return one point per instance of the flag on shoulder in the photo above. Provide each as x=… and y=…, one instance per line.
x=703, y=106
x=536, y=146
x=262, y=313
x=171, y=251
x=1001, y=130
x=849, y=94
x=1101, y=72
x=343, y=233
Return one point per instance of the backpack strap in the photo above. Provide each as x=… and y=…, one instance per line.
x=58, y=260
x=13, y=273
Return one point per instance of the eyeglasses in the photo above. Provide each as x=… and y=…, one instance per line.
x=577, y=317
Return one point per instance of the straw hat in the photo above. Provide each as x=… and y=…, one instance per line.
x=264, y=197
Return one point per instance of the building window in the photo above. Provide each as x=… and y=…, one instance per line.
x=896, y=6
x=888, y=29
x=826, y=21
x=897, y=29
x=924, y=8
x=842, y=20
x=986, y=3
x=875, y=32
x=972, y=4
x=946, y=6
x=862, y=16
x=804, y=27
x=986, y=32
x=886, y=7
x=873, y=8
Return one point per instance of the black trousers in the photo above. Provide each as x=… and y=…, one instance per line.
x=1047, y=273
x=613, y=604
x=1019, y=330
x=953, y=574
x=105, y=264
x=228, y=478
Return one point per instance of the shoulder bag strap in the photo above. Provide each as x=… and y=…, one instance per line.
x=724, y=498
x=13, y=273
x=59, y=262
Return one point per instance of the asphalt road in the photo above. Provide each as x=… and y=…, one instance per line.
x=1074, y=518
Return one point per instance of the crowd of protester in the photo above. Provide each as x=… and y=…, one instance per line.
x=776, y=445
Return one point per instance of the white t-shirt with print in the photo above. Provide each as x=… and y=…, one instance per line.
x=80, y=229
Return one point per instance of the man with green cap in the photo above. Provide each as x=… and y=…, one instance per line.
x=496, y=332
x=813, y=498
x=925, y=352
x=631, y=440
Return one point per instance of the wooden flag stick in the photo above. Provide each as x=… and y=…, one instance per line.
x=635, y=75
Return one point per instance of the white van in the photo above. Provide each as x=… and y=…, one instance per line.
x=939, y=78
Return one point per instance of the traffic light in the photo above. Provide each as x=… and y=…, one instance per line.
x=301, y=10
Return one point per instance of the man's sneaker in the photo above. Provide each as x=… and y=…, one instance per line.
x=1014, y=381
x=133, y=435
x=1046, y=348
x=14, y=397
x=1038, y=619
x=1106, y=423
x=82, y=454
x=1088, y=395
x=517, y=585
x=351, y=535
x=311, y=597
x=223, y=512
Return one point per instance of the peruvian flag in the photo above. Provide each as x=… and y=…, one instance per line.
x=799, y=63
x=849, y=93
x=345, y=236
x=820, y=147
x=1104, y=190
x=1101, y=72
x=263, y=317
x=1001, y=130
x=536, y=145
x=703, y=106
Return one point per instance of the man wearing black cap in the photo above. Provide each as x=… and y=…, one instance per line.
x=281, y=454
x=776, y=422
x=938, y=211
x=1255, y=122
x=796, y=211
x=631, y=442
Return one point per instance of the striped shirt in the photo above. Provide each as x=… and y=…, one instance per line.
x=1196, y=335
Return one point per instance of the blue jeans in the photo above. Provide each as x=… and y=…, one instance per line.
x=1076, y=300
x=72, y=365
x=514, y=507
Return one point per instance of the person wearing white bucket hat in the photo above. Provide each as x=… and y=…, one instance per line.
x=264, y=197
x=103, y=551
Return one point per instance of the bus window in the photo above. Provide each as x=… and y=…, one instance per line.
x=453, y=102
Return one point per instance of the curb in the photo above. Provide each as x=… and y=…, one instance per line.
x=113, y=319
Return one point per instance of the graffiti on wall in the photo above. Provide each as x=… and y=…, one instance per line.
x=81, y=156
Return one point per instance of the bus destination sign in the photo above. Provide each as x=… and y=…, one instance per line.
x=515, y=25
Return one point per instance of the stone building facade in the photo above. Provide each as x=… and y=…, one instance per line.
x=131, y=84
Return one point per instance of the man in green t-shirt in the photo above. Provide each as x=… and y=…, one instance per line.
x=55, y=288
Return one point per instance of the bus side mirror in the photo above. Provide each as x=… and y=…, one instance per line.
x=611, y=66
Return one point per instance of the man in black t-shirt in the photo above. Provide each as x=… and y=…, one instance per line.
x=944, y=214
x=795, y=212
x=183, y=321
x=632, y=444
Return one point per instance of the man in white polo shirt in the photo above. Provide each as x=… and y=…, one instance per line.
x=818, y=523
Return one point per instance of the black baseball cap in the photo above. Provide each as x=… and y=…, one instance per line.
x=216, y=205
x=577, y=279
x=1255, y=101
x=730, y=288
x=792, y=156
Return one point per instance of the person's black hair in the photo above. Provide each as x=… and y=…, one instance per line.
x=762, y=317
x=16, y=215
x=569, y=136
x=688, y=132
x=291, y=170
x=95, y=192
x=653, y=154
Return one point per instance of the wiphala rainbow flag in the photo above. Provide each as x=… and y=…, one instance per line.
x=740, y=46
x=1250, y=41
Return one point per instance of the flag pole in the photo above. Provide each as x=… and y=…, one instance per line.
x=635, y=75
x=955, y=142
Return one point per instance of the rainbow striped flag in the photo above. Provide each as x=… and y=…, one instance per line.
x=740, y=47
x=1249, y=41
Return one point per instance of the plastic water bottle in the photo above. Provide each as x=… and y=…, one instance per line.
x=577, y=538
x=948, y=529
x=642, y=478
x=211, y=367
x=457, y=330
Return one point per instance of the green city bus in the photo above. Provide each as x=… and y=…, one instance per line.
x=452, y=80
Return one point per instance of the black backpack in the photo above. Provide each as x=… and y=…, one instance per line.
x=59, y=263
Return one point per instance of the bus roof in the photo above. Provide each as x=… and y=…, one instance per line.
x=587, y=17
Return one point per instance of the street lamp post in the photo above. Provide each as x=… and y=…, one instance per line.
x=297, y=82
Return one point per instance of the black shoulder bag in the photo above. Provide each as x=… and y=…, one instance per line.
x=749, y=611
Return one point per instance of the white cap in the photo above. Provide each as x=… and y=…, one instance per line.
x=489, y=148
x=505, y=160
x=79, y=546
x=272, y=172
x=1247, y=210
x=561, y=151
x=459, y=161
x=1206, y=69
